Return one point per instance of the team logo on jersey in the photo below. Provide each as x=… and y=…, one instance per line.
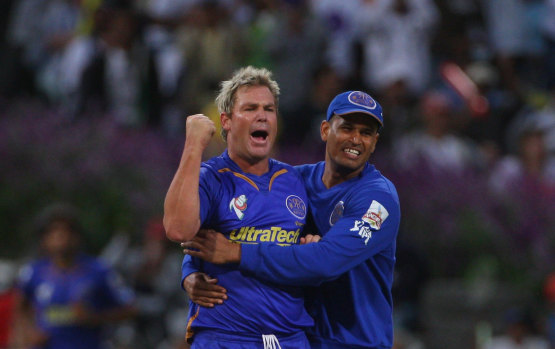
x=337, y=213
x=296, y=206
x=375, y=215
x=363, y=230
x=371, y=220
x=239, y=205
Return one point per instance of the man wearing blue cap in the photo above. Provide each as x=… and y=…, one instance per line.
x=356, y=210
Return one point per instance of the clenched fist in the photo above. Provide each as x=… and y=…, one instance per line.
x=199, y=130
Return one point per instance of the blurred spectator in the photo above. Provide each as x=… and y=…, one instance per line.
x=405, y=340
x=523, y=184
x=411, y=275
x=519, y=333
x=7, y=300
x=6, y=49
x=59, y=26
x=548, y=30
x=160, y=300
x=260, y=22
x=545, y=120
x=513, y=28
x=460, y=37
x=158, y=32
x=38, y=31
x=66, y=297
x=111, y=70
x=213, y=47
x=304, y=130
x=397, y=36
x=435, y=144
x=151, y=268
x=489, y=128
x=296, y=45
x=549, y=296
x=530, y=164
x=337, y=16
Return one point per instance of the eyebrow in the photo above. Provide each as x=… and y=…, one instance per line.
x=255, y=104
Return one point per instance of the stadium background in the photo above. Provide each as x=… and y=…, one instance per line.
x=94, y=93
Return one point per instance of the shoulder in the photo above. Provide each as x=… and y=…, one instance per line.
x=307, y=171
x=212, y=164
x=373, y=194
x=279, y=166
x=93, y=265
x=212, y=168
x=30, y=270
x=374, y=182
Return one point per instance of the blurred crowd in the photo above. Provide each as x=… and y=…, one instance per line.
x=462, y=83
x=467, y=86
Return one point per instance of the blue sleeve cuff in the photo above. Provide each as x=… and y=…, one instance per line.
x=187, y=268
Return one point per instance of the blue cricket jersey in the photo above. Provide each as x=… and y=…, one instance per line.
x=53, y=293
x=352, y=264
x=250, y=210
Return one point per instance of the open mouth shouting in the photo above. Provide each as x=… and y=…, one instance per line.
x=259, y=136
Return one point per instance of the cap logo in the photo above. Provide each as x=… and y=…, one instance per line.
x=362, y=100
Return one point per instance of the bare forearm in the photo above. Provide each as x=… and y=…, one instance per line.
x=182, y=205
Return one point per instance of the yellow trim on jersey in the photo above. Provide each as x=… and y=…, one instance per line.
x=247, y=179
x=189, y=332
x=275, y=175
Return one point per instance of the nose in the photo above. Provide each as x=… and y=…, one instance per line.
x=355, y=137
x=261, y=115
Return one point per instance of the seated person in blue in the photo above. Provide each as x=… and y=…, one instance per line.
x=67, y=297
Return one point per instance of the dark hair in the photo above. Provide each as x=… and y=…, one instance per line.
x=58, y=212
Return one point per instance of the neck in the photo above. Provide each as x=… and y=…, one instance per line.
x=534, y=165
x=334, y=175
x=253, y=166
x=64, y=261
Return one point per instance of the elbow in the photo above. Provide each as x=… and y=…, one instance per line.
x=181, y=231
x=320, y=276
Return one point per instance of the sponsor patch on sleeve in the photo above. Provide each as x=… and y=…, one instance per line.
x=376, y=215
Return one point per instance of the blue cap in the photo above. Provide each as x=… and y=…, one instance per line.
x=355, y=102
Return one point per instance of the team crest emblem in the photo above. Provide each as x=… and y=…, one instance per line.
x=362, y=100
x=375, y=215
x=239, y=205
x=337, y=213
x=296, y=206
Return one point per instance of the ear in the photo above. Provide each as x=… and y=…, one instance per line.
x=375, y=142
x=225, y=121
x=325, y=130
